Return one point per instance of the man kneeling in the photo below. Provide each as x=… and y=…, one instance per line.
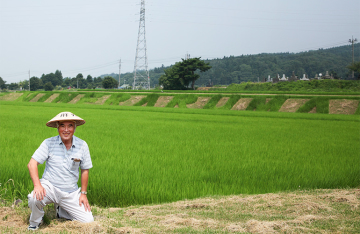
x=63, y=154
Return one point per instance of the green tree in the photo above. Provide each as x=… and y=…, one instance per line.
x=13, y=86
x=58, y=78
x=183, y=73
x=2, y=83
x=356, y=68
x=35, y=83
x=48, y=86
x=109, y=82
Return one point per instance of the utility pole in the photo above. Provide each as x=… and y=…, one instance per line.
x=352, y=40
x=119, y=71
x=29, y=80
x=141, y=72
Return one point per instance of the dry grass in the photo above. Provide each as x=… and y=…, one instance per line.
x=37, y=97
x=76, y=99
x=347, y=107
x=163, y=101
x=316, y=211
x=132, y=100
x=222, y=102
x=200, y=103
x=242, y=104
x=292, y=105
x=11, y=96
x=52, y=97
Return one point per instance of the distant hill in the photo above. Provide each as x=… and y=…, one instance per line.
x=237, y=69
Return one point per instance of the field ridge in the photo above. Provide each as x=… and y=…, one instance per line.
x=347, y=105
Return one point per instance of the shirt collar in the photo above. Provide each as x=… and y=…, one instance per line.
x=74, y=141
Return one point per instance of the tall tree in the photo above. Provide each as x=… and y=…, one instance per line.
x=2, y=83
x=109, y=82
x=35, y=83
x=183, y=73
x=58, y=78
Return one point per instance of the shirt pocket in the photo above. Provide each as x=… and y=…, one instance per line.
x=74, y=165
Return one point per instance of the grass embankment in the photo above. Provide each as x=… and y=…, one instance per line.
x=313, y=86
x=154, y=155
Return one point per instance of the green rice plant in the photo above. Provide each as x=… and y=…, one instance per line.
x=321, y=104
x=45, y=97
x=212, y=102
x=257, y=102
x=182, y=100
x=115, y=99
x=231, y=102
x=65, y=97
x=150, y=100
x=205, y=153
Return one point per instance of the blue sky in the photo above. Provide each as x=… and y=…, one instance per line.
x=91, y=36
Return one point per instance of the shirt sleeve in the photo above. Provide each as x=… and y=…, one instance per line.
x=86, y=163
x=42, y=153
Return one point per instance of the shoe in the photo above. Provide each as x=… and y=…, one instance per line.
x=57, y=209
x=33, y=228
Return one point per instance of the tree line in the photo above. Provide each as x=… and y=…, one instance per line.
x=52, y=81
x=224, y=71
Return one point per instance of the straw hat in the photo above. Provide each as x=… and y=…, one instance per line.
x=65, y=116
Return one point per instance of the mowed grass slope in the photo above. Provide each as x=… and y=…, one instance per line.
x=143, y=155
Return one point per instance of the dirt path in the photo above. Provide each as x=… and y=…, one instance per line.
x=311, y=211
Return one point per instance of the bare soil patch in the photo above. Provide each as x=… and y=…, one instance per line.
x=37, y=97
x=200, y=103
x=344, y=106
x=222, y=102
x=314, y=211
x=313, y=111
x=242, y=104
x=204, y=88
x=132, y=100
x=11, y=96
x=52, y=97
x=76, y=99
x=292, y=105
x=102, y=100
x=163, y=101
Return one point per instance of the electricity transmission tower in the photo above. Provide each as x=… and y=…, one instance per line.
x=352, y=40
x=141, y=73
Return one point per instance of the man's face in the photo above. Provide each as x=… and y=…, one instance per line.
x=66, y=130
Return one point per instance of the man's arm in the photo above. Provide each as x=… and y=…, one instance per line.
x=39, y=191
x=84, y=183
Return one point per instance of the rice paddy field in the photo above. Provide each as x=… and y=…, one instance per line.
x=145, y=155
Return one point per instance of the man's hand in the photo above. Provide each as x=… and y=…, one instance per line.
x=39, y=192
x=83, y=200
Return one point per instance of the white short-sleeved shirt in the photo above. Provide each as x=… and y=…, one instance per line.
x=60, y=169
